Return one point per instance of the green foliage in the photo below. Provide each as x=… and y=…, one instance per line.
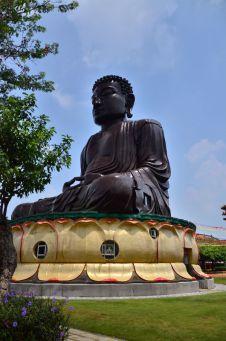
x=220, y=267
x=29, y=318
x=213, y=253
x=19, y=25
x=26, y=156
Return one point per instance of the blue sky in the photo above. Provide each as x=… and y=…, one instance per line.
x=174, y=54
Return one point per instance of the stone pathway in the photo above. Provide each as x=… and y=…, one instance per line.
x=218, y=274
x=80, y=335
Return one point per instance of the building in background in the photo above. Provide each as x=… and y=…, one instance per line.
x=206, y=239
x=212, y=252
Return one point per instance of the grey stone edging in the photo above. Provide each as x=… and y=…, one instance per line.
x=115, y=291
x=80, y=335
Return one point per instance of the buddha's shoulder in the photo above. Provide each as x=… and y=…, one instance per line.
x=91, y=139
x=147, y=122
x=94, y=136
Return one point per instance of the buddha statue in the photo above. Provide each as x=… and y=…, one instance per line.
x=124, y=167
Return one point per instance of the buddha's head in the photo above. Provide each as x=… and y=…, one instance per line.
x=112, y=99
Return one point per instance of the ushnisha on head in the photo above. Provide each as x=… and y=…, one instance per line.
x=112, y=99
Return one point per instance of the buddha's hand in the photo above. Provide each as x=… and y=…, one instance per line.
x=67, y=185
x=89, y=177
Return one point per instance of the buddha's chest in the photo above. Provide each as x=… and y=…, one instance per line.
x=110, y=147
x=101, y=145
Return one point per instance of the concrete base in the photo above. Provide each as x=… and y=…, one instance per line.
x=206, y=283
x=111, y=289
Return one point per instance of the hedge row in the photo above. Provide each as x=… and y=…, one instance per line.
x=213, y=253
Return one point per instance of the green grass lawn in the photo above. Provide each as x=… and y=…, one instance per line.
x=220, y=280
x=184, y=318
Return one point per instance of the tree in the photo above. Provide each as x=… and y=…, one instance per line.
x=213, y=254
x=224, y=211
x=19, y=23
x=27, y=157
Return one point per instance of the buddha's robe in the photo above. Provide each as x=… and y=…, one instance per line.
x=132, y=160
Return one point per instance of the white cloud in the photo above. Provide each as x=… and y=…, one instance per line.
x=205, y=149
x=212, y=172
x=64, y=100
x=126, y=32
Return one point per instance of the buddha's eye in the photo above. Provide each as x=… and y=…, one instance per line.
x=107, y=92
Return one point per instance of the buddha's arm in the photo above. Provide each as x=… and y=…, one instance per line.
x=152, y=160
x=83, y=178
x=152, y=153
x=153, y=165
x=67, y=185
x=89, y=177
x=153, y=170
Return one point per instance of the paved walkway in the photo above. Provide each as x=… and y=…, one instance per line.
x=218, y=274
x=79, y=335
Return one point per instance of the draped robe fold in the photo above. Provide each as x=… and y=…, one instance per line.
x=131, y=156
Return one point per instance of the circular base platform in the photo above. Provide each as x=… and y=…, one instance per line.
x=76, y=246
x=113, y=290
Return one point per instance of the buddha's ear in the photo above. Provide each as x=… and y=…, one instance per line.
x=130, y=99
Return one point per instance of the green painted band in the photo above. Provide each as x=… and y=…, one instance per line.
x=96, y=215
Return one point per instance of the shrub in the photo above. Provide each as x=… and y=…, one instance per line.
x=220, y=267
x=213, y=253
x=30, y=318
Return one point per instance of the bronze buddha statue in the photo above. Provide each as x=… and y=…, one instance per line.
x=124, y=167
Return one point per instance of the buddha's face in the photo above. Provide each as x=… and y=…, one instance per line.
x=109, y=103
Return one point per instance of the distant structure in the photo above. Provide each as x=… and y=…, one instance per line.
x=206, y=239
x=224, y=211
